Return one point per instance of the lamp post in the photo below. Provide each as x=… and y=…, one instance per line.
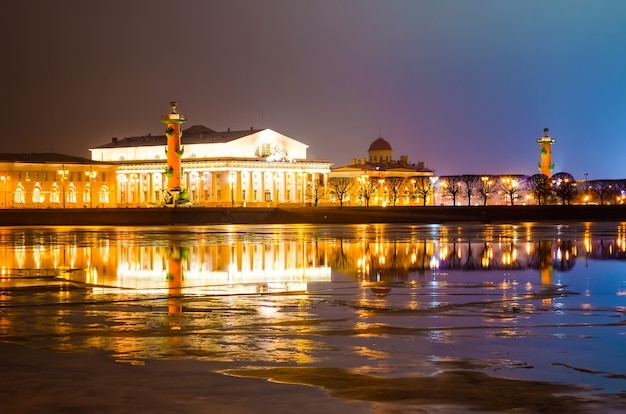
x=433, y=182
x=63, y=173
x=231, y=181
x=4, y=189
x=586, y=189
x=92, y=175
x=302, y=187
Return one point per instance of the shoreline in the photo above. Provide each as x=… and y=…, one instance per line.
x=160, y=216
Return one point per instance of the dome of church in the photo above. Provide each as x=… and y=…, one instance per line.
x=380, y=145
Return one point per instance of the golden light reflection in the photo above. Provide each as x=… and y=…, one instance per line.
x=183, y=277
x=275, y=264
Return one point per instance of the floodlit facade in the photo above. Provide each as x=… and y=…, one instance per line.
x=382, y=180
x=50, y=180
x=255, y=167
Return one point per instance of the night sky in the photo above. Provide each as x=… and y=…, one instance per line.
x=465, y=85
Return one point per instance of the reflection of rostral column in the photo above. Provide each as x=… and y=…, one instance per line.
x=545, y=165
x=544, y=250
x=174, y=151
x=174, y=286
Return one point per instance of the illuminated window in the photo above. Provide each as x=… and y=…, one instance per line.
x=71, y=195
x=103, y=196
x=37, y=196
x=19, y=198
x=264, y=150
x=54, y=195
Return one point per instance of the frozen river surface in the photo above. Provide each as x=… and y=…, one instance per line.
x=363, y=319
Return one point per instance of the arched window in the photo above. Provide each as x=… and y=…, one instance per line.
x=71, y=194
x=37, y=196
x=54, y=195
x=20, y=197
x=87, y=194
x=103, y=195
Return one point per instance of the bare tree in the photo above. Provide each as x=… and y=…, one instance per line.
x=564, y=187
x=471, y=186
x=394, y=186
x=539, y=186
x=604, y=189
x=340, y=187
x=422, y=187
x=486, y=187
x=451, y=185
x=366, y=187
x=510, y=185
x=315, y=192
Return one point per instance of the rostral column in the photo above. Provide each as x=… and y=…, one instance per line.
x=545, y=164
x=173, y=120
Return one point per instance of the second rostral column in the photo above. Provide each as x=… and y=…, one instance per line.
x=173, y=120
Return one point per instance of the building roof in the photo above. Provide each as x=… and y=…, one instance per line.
x=197, y=134
x=388, y=167
x=380, y=144
x=45, y=157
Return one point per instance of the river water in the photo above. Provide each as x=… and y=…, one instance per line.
x=375, y=318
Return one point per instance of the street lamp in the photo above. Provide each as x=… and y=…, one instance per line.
x=433, y=181
x=302, y=186
x=91, y=175
x=63, y=173
x=231, y=181
x=4, y=179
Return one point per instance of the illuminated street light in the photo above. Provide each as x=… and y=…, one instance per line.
x=231, y=182
x=91, y=175
x=63, y=173
x=4, y=179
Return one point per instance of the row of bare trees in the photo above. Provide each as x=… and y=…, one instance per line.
x=365, y=187
x=561, y=188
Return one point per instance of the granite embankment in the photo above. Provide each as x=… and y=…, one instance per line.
x=308, y=215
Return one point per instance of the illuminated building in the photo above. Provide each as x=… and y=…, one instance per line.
x=50, y=180
x=545, y=164
x=255, y=167
x=391, y=181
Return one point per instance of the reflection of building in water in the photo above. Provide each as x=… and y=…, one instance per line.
x=383, y=260
x=272, y=265
x=236, y=266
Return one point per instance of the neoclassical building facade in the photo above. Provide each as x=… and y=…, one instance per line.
x=255, y=167
x=382, y=180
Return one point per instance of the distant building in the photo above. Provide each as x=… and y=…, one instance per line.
x=50, y=180
x=382, y=180
x=255, y=167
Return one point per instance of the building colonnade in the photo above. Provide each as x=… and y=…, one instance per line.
x=223, y=183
